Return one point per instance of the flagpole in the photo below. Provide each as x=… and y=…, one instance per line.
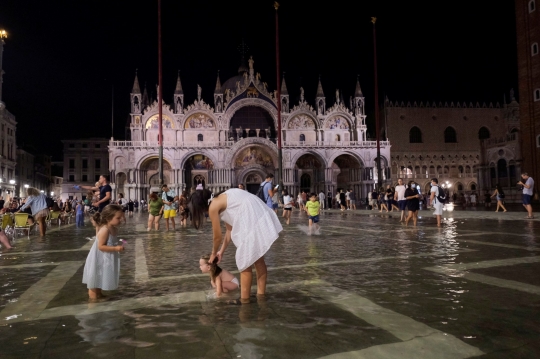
x=160, y=99
x=278, y=103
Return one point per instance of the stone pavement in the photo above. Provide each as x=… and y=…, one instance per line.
x=367, y=287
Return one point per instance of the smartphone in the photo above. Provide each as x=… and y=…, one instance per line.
x=277, y=186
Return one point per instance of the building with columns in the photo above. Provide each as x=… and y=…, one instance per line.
x=234, y=141
x=470, y=147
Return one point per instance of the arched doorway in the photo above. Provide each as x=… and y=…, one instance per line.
x=349, y=172
x=309, y=171
x=252, y=164
x=246, y=121
x=305, y=183
x=196, y=170
x=149, y=172
x=253, y=182
x=121, y=180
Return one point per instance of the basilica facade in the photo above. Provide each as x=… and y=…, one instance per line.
x=234, y=140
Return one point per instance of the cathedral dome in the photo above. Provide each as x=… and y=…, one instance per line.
x=230, y=84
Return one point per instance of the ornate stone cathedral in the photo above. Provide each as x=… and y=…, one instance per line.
x=233, y=142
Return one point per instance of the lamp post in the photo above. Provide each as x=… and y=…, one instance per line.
x=3, y=35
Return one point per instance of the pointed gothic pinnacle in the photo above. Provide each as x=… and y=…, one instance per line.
x=358, y=91
x=320, y=92
x=284, y=86
x=218, y=84
x=136, y=87
x=178, y=89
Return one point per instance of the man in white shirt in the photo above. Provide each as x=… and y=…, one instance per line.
x=399, y=196
x=435, y=202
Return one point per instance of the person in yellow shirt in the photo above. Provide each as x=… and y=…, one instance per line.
x=313, y=209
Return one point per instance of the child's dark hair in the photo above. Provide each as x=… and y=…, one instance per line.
x=312, y=194
x=215, y=270
x=199, y=205
x=107, y=214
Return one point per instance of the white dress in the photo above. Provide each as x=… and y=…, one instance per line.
x=102, y=269
x=254, y=226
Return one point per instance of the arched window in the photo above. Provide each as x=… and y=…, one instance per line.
x=200, y=137
x=483, y=133
x=532, y=6
x=338, y=138
x=537, y=95
x=450, y=135
x=502, y=171
x=302, y=138
x=415, y=135
x=534, y=49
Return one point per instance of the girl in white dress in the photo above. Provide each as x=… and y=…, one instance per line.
x=102, y=268
x=250, y=224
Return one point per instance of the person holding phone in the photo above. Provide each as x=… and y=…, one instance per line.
x=269, y=190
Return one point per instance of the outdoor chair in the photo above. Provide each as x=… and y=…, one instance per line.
x=21, y=223
x=53, y=216
x=7, y=224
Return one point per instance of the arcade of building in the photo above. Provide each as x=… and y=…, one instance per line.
x=233, y=142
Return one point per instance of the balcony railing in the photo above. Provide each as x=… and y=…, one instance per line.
x=222, y=144
x=335, y=143
x=495, y=141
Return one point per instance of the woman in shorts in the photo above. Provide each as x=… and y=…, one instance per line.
x=38, y=204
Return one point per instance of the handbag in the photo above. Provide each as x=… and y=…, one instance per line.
x=170, y=199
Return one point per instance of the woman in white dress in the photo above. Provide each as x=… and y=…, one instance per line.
x=250, y=224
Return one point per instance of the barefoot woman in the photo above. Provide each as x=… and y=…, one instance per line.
x=251, y=225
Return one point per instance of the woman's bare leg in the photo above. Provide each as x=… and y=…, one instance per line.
x=260, y=268
x=42, y=226
x=502, y=205
x=156, y=223
x=246, y=276
x=150, y=220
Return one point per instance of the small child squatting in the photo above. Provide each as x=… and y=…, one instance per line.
x=221, y=279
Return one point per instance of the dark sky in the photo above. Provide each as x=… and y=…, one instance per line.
x=62, y=57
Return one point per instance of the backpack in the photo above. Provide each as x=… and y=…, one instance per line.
x=49, y=201
x=441, y=195
x=260, y=193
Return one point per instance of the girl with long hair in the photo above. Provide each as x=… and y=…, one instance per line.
x=102, y=268
x=221, y=279
x=499, y=193
x=250, y=224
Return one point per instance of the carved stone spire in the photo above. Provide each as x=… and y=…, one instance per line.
x=145, y=98
x=218, y=84
x=320, y=99
x=136, y=87
x=320, y=92
x=178, y=89
x=284, y=86
x=358, y=91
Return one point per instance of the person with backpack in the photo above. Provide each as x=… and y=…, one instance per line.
x=438, y=198
x=266, y=191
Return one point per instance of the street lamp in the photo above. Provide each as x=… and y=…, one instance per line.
x=11, y=181
x=52, y=193
x=42, y=191
x=3, y=34
x=26, y=186
x=448, y=206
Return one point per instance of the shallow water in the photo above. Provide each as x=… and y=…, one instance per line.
x=366, y=284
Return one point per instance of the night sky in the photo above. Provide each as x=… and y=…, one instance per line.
x=63, y=57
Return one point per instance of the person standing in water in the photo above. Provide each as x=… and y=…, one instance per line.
x=250, y=224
